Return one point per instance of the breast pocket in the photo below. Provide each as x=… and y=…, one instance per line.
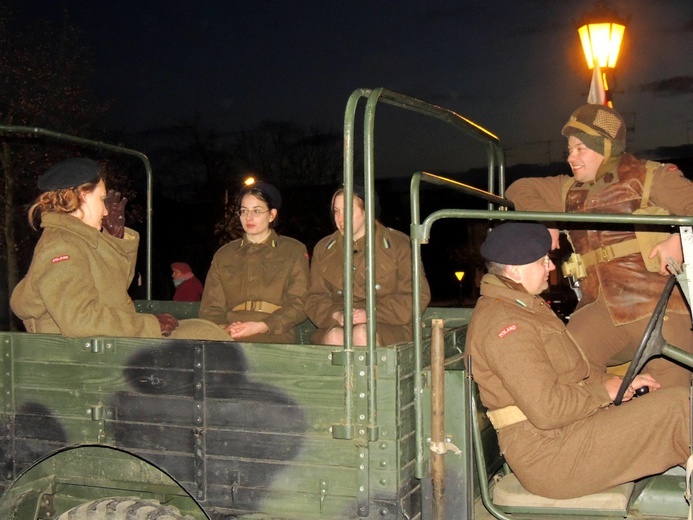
x=563, y=354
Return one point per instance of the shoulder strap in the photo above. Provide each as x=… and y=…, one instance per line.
x=566, y=187
x=651, y=167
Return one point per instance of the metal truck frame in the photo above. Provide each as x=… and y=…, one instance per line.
x=226, y=430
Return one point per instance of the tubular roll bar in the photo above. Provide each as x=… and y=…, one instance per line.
x=496, y=170
x=27, y=130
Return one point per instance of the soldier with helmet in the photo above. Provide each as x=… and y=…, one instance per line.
x=621, y=273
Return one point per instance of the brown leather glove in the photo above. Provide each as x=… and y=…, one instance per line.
x=114, y=222
x=167, y=323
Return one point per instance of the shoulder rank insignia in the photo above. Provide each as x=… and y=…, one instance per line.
x=331, y=243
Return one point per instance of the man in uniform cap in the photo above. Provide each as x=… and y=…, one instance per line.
x=556, y=428
x=619, y=275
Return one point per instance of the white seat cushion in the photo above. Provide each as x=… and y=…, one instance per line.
x=508, y=492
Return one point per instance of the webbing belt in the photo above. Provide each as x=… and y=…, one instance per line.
x=257, y=305
x=610, y=252
x=506, y=416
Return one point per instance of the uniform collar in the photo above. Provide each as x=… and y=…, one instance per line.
x=608, y=166
x=495, y=286
x=71, y=224
x=271, y=241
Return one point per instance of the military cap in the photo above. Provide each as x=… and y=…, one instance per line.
x=270, y=193
x=516, y=243
x=69, y=174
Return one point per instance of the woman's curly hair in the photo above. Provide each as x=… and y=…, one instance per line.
x=64, y=200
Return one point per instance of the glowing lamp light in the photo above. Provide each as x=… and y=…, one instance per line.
x=459, y=275
x=249, y=181
x=601, y=33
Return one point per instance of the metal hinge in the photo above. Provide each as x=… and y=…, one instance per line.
x=99, y=345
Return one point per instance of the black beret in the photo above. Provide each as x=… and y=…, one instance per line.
x=516, y=243
x=69, y=174
x=272, y=195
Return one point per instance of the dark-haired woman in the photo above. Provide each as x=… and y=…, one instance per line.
x=393, y=281
x=255, y=286
x=79, y=275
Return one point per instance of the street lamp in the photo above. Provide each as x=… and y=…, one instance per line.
x=601, y=33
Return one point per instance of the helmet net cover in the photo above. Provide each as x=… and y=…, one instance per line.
x=597, y=121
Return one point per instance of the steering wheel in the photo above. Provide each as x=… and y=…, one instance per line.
x=652, y=342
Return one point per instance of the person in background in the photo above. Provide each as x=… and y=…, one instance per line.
x=557, y=427
x=256, y=284
x=84, y=262
x=621, y=273
x=188, y=287
x=325, y=300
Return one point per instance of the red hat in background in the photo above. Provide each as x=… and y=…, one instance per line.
x=182, y=267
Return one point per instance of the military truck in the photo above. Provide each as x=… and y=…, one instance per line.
x=116, y=427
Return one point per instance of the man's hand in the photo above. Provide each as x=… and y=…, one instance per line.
x=612, y=385
x=114, y=222
x=555, y=236
x=669, y=248
x=167, y=323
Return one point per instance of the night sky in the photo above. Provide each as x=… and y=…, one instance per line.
x=514, y=66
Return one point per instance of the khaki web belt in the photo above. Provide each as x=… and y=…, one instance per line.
x=608, y=253
x=506, y=416
x=258, y=306
x=576, y=266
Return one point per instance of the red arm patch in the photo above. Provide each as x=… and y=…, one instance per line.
x=507, y=330
x=60, y=258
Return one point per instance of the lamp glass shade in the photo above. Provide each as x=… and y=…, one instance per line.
x=601, y=42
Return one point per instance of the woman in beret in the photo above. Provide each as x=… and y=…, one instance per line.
x=255, y=286
x=84, y=261
x=393, y=280
x=557, y=428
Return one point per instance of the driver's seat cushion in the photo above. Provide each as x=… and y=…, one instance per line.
x=508, y=494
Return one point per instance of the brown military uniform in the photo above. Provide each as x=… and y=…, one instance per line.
x=77, y=283
x=274, y=271
x=77, y=286
x=392, y=278
x=572, y=443
x=619, y=295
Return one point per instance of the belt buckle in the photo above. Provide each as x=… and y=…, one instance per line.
x=606, y=254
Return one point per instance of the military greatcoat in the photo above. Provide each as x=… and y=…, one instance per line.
x=573, y=442
x=392, y=278
x=273, y=271
x=77, y=283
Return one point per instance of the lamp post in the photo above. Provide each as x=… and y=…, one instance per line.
x=601, y=33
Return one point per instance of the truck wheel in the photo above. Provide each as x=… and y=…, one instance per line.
x=123, y=508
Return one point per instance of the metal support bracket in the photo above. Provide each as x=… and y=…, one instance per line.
x=100, y=345
x=200, y=428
